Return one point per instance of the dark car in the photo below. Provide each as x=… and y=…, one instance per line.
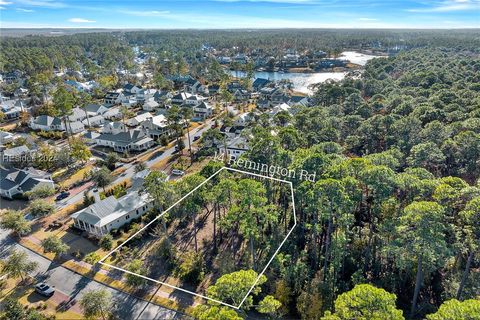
x=62, y=195
x=44, y=289
x=196, y=138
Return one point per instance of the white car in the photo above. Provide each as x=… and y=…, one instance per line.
x=44, y=289
x=178, y=172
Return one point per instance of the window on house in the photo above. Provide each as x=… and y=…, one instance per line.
x=127, y=217
x=137, y=211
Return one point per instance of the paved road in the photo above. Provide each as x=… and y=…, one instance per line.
x=74, y=285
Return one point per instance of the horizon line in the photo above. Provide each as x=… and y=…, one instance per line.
x=245, y=28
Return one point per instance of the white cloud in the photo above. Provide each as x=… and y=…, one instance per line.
x=367, y=19
x=25, y=10
x=148, y=13
x=4, y=2
x=2, y=8
x=80, y=20
x=450, y=5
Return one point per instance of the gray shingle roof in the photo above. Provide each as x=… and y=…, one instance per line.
x=47, y=120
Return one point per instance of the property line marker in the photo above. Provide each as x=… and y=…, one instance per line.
x=181, y=199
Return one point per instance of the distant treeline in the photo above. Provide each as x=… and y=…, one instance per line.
x=39, y=53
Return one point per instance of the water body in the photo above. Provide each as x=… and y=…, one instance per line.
x=356, y=57
x=302, y=81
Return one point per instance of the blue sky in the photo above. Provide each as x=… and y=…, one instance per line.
x=210, y=14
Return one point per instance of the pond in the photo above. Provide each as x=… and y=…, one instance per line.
x=302, y=81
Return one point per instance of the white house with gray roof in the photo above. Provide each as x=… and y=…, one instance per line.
x=110, y=213
x=95, y=109
x=17, y=181
x=46, y=123
x=131, y=140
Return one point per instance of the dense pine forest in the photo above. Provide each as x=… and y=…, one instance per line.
x=397, y=199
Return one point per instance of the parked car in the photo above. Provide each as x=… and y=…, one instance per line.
x=178, y=172
x=62, y=195
x=44, y=289
x=196, y=138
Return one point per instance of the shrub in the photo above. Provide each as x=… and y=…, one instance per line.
x=40, y=192
x=106, y=242
x=92, y=258
x=191, y=268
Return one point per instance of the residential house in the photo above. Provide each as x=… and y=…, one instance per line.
x=90, y=136
x=280, y=108
x=5, y=137
x=82, y=86
x=260, y=83
x=244, y=119
x=241, y=95
x=180, y=98
x=232, y=132
x=20, y=93
x=263, y=103
x=145, y=94
x=47, y=123
x=75, y=85
x=150, y=105
x=162, y=96
x=138, y=119
x=131, y=140
x=234, y=86
x=202, y=110
x=11, y=108
x=240, y=58
x=224, y=60
x=213, y=89
x=95, y=109
x=130, y=89
x=114, y=127
x=330, y=63
x=76, y=126
x=110, y=213
x=187, y=83
x=194, y=86
x=156, y=126
x=113, y=98
x=19, y=181
x=16, y=154
x=194, y=100
x=78, y=114
x=94, y=121
x=271, y=96
x=12, y=77
x=235, y=147
x=278, y=96
x=129, y=101
x=298, y=101
x=113, y=114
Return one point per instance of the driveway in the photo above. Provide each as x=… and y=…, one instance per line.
x=74, y=285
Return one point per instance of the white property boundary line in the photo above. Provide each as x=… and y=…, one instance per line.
x=181, y=199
